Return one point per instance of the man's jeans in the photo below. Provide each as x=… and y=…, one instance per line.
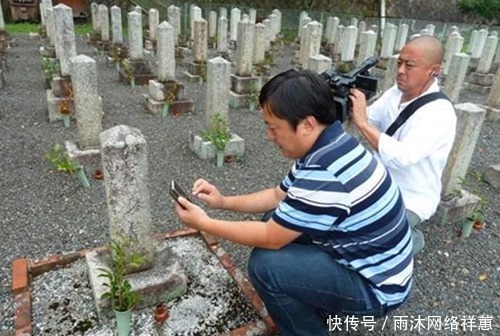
x=299, y=283
x=417, y=236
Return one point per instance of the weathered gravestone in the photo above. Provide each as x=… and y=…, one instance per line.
x=159, y=278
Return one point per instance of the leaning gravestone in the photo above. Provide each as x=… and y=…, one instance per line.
x=125, y=165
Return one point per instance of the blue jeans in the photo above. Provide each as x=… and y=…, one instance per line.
x=417, y=236
x=300, y=285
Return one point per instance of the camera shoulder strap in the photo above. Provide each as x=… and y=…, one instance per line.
x=410, y=109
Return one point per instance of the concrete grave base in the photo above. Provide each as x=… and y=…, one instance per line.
x=242, y=84
x=240, y=88
x=203, y=261
x=454, y=208
x=53, y=104
x=177, y=107
x=492, y=176
x=481, y=79
x=196, y=71
x=159, y=90
x=161, y=283
x=90, y=159
x=61, y=86
x=138, y=69
x=192, y=78
x=205, y=150
x=237, y=100
x=479, y=89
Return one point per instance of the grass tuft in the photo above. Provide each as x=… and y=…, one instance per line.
x=28, y=27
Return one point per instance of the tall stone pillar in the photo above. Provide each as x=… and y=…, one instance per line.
x=65, y=37
x=88, y=105
x=470, y=119
x=125, y=166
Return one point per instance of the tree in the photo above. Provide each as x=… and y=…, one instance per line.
x=487, y=10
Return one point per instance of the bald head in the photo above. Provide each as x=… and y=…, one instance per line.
x=431, y=48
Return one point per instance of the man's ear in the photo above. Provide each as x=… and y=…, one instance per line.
x=309, y=124
x=436, y=70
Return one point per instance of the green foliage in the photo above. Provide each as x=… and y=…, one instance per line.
x=27, y=27
x=59, y=159
x=253, y=93
x=479, y=210
x=488, y=10
x=119, y=289
x=21, y=28
x=218, y=133
x=83, y=28
x=51, y=65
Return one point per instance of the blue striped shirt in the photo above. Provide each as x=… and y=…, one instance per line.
x=347, y=203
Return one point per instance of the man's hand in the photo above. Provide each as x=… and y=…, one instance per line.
x=358, y=108
x=360, y=119
x=191, y=215
x=208, y=193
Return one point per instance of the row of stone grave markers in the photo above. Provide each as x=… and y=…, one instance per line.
x=254, y=41
x=72, y=92
x=341, y=44
x=242, y=58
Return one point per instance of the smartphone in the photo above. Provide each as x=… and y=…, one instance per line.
x=176, y=191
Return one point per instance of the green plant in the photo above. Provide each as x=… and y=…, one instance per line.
x=119, y=289
x=253, y=95
x=218, y=132
x=479, y=210
x=59, y=159
x=128, y=72
x=51, y=65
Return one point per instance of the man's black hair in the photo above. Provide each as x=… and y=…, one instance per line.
x=293, y=95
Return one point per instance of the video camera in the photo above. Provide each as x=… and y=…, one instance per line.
x=359, y=78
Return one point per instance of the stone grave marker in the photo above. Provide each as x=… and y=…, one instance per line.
x=134, y=69
x=166, y=94
x=456, y=203
x=218, y=88
x=455, y=78
x=160, y=277
x=197, y=69
x=60, y=96
x=243, y=81
x=88, y=111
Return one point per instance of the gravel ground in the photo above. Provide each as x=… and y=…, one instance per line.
x=42, y=213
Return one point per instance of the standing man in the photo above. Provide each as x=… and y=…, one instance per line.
x=415, y=155
x=338, y=241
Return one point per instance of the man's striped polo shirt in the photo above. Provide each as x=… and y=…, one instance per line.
x=345, y=200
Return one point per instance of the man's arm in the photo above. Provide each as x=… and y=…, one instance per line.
x=360, y=119
x=268, y=235
x=259, y=201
